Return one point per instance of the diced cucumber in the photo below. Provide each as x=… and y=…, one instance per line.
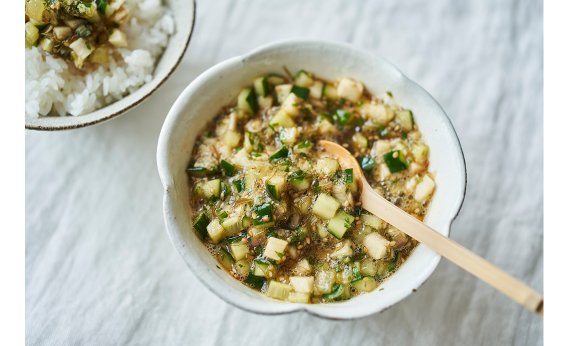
x=232, y=138
x=304, y=146
x=302, y=283
x=405, y=119
x=327, y=166
x=261, y=86
x=208, y=189
x=360, y=141
x=365, y=284
x=246, y=101
x=303, y=267
x=336, y=292
x=367, y=163
x=249, y=180
x=239, y=250
x=228, y=168
x=305, y=204
x=232, y=225
x=246, y=222
x=368, y=267
x=239, y=185
x=330, y=92
x=288, y=135
x=324, y=282
x=275, y=248
x=261, y=268
x=275, y=186
x=301, y=92
x=377, y=246
x=264, y=102
x=424, y=189
x=299, y=297
x=263, y=215
x=371, y=220
x=303, y=79
x=279, y=154
x=281, y=119
x=325, y=206
x=225, y=259
x=242, y=267
x=395, y=161
x=299, y=180
x=255, y=281
x=342, y=118
x=200, y=171
x=200, y=223
x=215, y=231
x=278, y=290
x=340, y=223
x=344, y=251
x=275, y=79
x=282, y=92
x=349, y=89
x=316, y=90
x=420, y=152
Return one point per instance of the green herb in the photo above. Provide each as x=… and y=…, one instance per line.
x=306, y=143
x=102, y=6
x=404, y=135
x=301, y=92
x=342, y=117
x=298, y=235
x=335, y=293
x=297, y=176
x=390, y=93
x=356, y=274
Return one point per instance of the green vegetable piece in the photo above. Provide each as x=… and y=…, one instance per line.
x=255, y=281
x=342, y=117
x=239, y=185
x=356, y=274
x=335, y=293
x=228, y=168
x=262, y=210
x=297, y=176
x=301, y=92
x=306, y=143
x=200, y=224
x=279, y=154
x=102, y=6
x=226, y=259
x=367, y=163
x=395, y=161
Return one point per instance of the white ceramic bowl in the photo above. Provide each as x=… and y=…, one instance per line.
x=184, y=16
x=219, y=85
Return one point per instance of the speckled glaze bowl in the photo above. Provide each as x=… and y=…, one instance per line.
x=184, y=16
x=216, y=87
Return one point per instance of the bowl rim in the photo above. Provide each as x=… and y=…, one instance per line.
x=176, y=112
x=40, y=127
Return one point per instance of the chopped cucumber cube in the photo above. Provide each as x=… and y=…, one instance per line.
x=371, y=221
x=261, y=268
x=340, y=223
x=282, y=92
x=278, y=290
x=261, y=86
x=327, y=166
x=405, y=119
x=377, y=246
x=299, y=181
x=365, y=284
x=275, y=249
x=302, y=283
x=232, y=138
x=325, y=206
x=215, y=231
x=232, y=225
x=228, y=168
x=299, y=297
x=395, y=161
x=303, y=79
x=246, y=101
x=242, y=267
x=330, y=92
x=208, y=189
x=301, y=92
x=200, y=224
x=226, y=259
x=281, y=119
x=349, y=89
x=255, y=281
x=424, y=189
x=279, y=154
x=288, y=135
x=275, y=185
x=239, y=250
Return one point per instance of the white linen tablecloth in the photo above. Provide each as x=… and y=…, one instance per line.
x=100, y=269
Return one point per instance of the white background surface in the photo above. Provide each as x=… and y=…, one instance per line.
x=100, y=268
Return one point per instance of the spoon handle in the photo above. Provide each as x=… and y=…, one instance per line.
x=453, y=251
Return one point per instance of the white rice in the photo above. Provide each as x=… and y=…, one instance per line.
x=51, y=89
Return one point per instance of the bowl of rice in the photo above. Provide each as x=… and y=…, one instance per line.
x=80, y=72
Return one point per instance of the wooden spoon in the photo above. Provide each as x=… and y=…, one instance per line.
x=482, y=269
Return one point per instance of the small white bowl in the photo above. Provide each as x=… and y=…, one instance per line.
x=184, y=17
x=216, y=87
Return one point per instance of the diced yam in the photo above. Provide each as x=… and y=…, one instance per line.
x=282, y=92
x=215, y=231
x=275, y=248
x=291, y=104
x=316, y=90
x=349, y=89
x=344, y=251
x=327, y=166
x=424, y=189
x=325, y=206
x=380, y=148
x=378, y=113
x=377, y=246
x=278, y=290
x=299, y=297
x=371, y=221
x=324, y=281
x=303, y=267
x=118, y=39
x=302, y=283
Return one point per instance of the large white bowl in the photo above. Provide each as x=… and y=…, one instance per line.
x=184, y=16
x=216, y=87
